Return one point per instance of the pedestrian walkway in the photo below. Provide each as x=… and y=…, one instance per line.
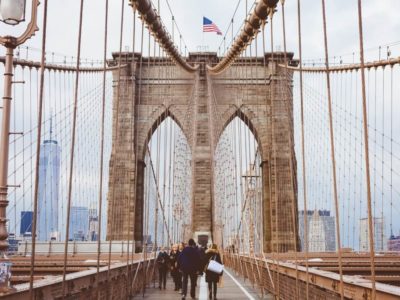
x=233, y=288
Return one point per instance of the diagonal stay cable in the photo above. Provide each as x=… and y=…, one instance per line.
x=158, y=194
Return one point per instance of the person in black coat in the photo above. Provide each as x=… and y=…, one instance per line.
x=173, y=258
x=203, y=261
x=212, y=278
x=179, y=274
x=189, y=263
x=162, y=263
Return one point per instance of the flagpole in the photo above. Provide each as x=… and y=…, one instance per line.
x=202, y=42
x=202, y=39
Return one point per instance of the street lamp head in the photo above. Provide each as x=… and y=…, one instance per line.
x=12, y=11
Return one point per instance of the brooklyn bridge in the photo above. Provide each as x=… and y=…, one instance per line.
x=125, y=131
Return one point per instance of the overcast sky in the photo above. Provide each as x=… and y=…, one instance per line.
x=381, y=25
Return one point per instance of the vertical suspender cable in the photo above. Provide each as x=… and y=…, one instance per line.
x=269, y=177
x=147, y=211
x=328, y=85
x=39, y=134
x=272, y=95
x=391, y=150
x=265, y=84
x=15, y=155
x=113, y=210
x=136, y=129
x=133, y=91
x=169, y=173
x=157, y=179
x=303, y=146
x=375, y=135
x=72, y=148
x=383, y=159
x=174, y=240
x=256, y=168
x=165, y=169
x=132, y=122
x=157, y=152
x=102, y=150
x=366, y=145
x=292, y=178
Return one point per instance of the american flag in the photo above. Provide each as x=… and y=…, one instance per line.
x=209, y=26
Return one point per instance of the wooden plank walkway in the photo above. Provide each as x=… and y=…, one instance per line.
x=233, y=288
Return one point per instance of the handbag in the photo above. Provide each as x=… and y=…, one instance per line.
x=215, y=267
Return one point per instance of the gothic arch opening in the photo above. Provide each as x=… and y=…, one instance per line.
x=238, y=211
x=166, y=114
x=165, y=215
x=240, y=115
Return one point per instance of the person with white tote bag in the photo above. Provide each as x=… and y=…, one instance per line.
x=214, y=270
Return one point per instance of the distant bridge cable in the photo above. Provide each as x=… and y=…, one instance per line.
x=247, y=12
x=150, y=16
x=177, y=27
x=348, y=67
x=247, y=33
x=318, y=60
x=230, y=26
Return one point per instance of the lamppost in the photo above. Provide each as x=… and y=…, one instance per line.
x=12, y=13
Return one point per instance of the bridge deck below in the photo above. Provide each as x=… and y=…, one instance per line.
x=233, y=287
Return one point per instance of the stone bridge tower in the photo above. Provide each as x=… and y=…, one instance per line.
x=148, y=90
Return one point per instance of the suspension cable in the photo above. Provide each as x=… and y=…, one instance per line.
x=102, y=150
x=291, y=145
x=366, y=148
x=151, y=18
x=114, y=169
x=249, y=29
x=305, y=219
x=333, y=159
x=72, y=149
x=39, y=135
x=177, y=27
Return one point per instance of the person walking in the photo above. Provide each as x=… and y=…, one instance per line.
x=179, y=274
x=173, y=259
x=162, y=263
x=212, y=278
x=203, y=260
x=189, y=264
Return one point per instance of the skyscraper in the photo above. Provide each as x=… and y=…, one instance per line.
x=26, y=222
x=79, y=223
x=379, y=236
x=321, y=230
x=49, y=180
x=93, y=224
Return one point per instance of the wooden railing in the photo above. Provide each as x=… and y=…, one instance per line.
x=119, y=281
x=287, y=280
